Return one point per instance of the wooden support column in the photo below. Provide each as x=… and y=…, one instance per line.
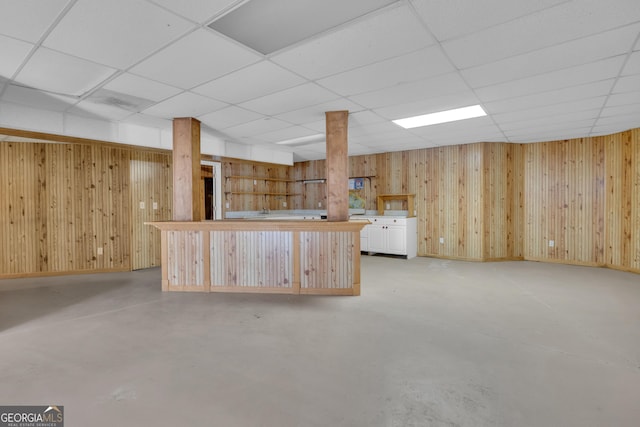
x=186, y=169
x=337, y=166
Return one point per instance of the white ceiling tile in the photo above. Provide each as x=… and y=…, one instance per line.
x=413, y=66
x=117, y=33
x=251, y=82
x=544, y=136
x=526, y=124
x=364, y=118
x=286, y=134
x=547, y=125
x=393, y=32
x=621, y=110
x=315, y=113
x=141, y=87
x=565, y=55
x=376, y=128
x=319, y=126
x=37, y=99
x=14, y=53
x=388, y=140
x=149, y=121
x=445, y=84
x=633, y=64
x=623, y=99
x=186, y=104
x=197, y=58
x=200, y=11
x=256, y=127
x=454, y=18
x=428, y=104
x=555, y=80
x=229, y=116
x=567, y=21
x=64, y=74
x=610, y=128
x=551, y=110
x=627, y=84
x=571, y=93
x=29, y=19
x=289, y=99
x=95, y=110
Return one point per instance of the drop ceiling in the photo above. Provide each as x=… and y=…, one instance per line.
x=262, y=71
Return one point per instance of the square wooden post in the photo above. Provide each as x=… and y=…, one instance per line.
x=186, y=169
x=337, y=174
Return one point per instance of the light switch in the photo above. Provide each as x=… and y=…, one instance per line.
x=99, y=251
x=155, y=206
x=141, y=205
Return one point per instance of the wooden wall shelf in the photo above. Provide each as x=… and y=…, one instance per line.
x=259, y=178
x=259, y=193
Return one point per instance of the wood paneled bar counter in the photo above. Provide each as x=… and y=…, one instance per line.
x=268, y=256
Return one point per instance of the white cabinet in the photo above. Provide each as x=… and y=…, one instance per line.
x=390, y=235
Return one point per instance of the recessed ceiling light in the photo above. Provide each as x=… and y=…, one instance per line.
x=270, y=25
x=441, y=117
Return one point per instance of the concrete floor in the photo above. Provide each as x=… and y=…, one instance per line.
x=429, y=343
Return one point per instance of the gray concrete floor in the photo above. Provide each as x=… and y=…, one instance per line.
x=429, y=343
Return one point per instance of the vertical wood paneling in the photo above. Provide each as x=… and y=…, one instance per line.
x=251, y=259
x=150, y=182
x=62, y=202
x=327, y=260
x=623, y=200
x=563, y=202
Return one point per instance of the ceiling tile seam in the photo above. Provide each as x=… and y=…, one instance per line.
x=38, y=44
x=624, y=64
x=453, y=65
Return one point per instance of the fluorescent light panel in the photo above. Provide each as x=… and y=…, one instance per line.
x=441, y=117
x=303, y=140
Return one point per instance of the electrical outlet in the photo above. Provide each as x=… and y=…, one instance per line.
x=155, y=206
x=227, y=205
x=552, y=243
x=284, y=204
x=141, y=205
x=255, y=182
x=388, y=206
x=319, y=204
x=442, y=240
x=99, y=250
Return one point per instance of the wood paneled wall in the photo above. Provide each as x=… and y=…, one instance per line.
x=151, y=180
x=491, y=201
x=59, y=204
x=622, y=212
x=565, y=201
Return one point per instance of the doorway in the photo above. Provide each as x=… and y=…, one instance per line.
x=211, y=185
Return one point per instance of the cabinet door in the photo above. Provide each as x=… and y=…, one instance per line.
x=396, y=239
x=377, y=238
x=364, y=238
